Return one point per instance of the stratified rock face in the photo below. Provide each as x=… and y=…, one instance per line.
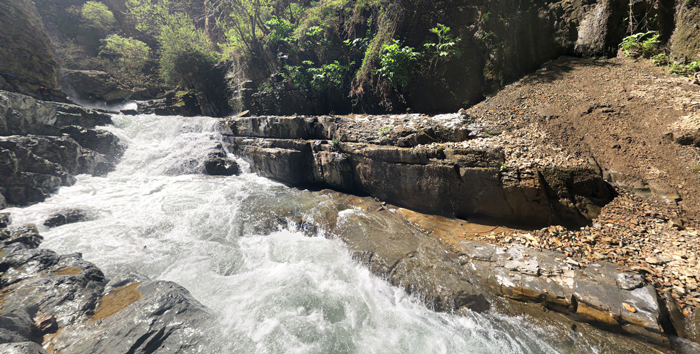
x=32, y=167
x=92, y=85
x=44, y=293
x=21, y=115
x=26, y=50
x=384, y=157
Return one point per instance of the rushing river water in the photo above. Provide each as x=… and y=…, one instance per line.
x=281, y=293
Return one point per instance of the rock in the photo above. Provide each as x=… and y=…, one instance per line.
x=129, y=112
x=5, y=220
x=17, y=326
x=93, y=85
x=629, y=281
x=26, y=235
x=21, y=115
x=26, y=52
x=629, y=307
x=97, y=140
x=439, y=180
x=66, y=217
x=218, y=166
x=141, y=318
x=33, y=167
x=22, y=348
x=656, y=260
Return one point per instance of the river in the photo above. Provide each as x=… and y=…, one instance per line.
x=283, y=292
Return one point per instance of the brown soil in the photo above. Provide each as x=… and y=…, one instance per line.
x=616, y=111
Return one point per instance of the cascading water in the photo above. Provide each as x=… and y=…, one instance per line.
x=281, y=293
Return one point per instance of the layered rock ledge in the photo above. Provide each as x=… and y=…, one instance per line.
x=386, y=157
x=43, y=145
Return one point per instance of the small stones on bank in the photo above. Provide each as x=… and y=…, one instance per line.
x=631, y=233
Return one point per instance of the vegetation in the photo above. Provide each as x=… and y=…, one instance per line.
x=644, y=44
x=96, y=15
x=398, y=63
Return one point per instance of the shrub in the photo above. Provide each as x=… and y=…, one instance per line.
x=398, y=63
x=661, y=59
x=186, y=54
x=322, y=78
x=280, y=30
x=641, y=44
x=685, y=69
x=129, y=53
x=97, y=15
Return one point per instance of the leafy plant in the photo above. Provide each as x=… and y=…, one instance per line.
x=307, y=76
x=641, y=44
x=661, y=59
x=445, y=47
x=335, y=145
x=127, y=56
x=398, y=63
x=97, y=15
x=385, y=130
x=685, y=69
x=281, y=30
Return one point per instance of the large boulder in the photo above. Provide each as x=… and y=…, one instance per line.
x=93, y=85
x=97, y=140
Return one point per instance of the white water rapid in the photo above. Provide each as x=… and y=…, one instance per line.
x=282, y=293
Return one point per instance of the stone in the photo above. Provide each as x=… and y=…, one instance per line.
x=5, y=220
x=218, y=166
x=22, y=348
x=17, y=326
x=27, y=235
x=629, y=281
x=97, y=140
x=66, y=217
x=93, y=85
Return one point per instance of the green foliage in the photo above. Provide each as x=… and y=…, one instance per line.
x=641, y=44
x=97, y=15
x=690, y=3
x=661, y=59
x=385, y=130
x=280, y=30
x=335, y=145
x=685, y=69
x=446, y=45
x=398, y=63
x=129, y=53
x=186, y=53
x=309, y=77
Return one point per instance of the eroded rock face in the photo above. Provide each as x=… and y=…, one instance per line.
x=384, y=157
x=93, y=85
x=21, y=115
x=32, y=167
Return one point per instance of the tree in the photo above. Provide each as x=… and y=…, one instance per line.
x=97, y=15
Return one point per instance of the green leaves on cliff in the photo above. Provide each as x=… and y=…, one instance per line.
x=398, y=63
x=97, y=15
x=185, y=51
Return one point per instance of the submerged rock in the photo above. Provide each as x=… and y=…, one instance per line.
x=218, y=166
x=66, y=217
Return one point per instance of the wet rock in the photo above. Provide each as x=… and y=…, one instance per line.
x=66, y=217
x=20, y=114
x=22, y=348
x=142, y=318
x=3, y=202
x=32, y=167
x=17, y=326
x=5, y=220
x=218, y=166
x=26, y=235
x=97, y=140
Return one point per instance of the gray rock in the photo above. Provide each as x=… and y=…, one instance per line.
x=22, y=348
x=18, y=326
x=3, y=202
x=5, y=220
x=629, y=281
x=32, y=167
x=166, y=319
x=66, y=217
x=218, y=166
x=93, y=85
x=97, y=140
